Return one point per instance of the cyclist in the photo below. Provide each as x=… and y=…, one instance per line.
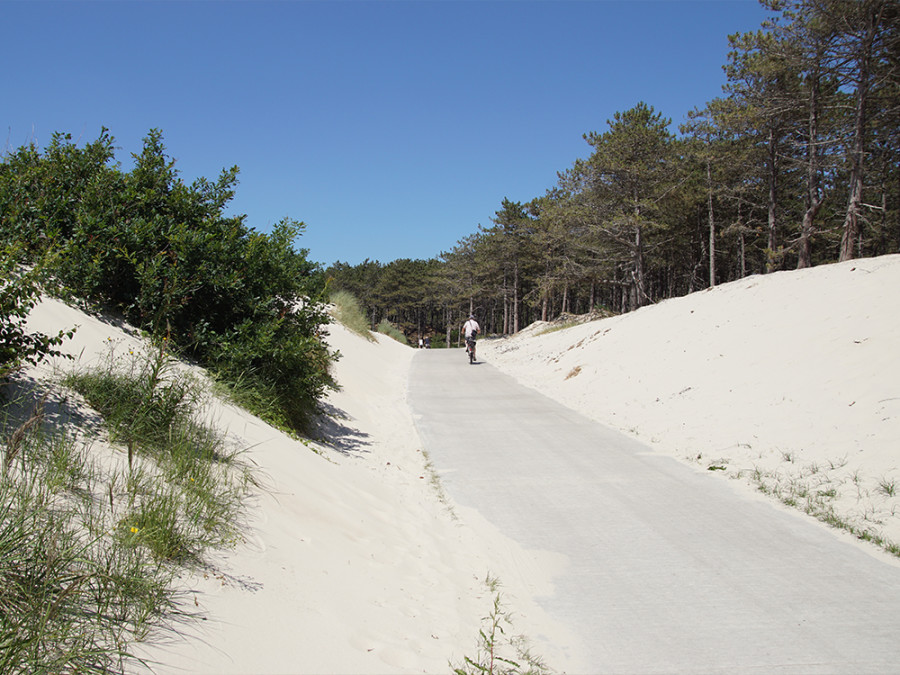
x=471, y=328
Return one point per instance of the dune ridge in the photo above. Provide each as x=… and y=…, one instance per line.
x=789, y=382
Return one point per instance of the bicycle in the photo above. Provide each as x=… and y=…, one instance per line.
x=470, y=349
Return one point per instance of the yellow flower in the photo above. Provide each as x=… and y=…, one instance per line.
x=134, y=530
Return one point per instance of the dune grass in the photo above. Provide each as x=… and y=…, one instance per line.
x=187, y=498
x=71, y=596
x=348, y=311
x=815, y=490
x=89, y=548
x=392, y=331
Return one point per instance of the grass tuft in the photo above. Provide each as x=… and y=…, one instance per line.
x=88, y=551
x=348, y=311
x=392, y=331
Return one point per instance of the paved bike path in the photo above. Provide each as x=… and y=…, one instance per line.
x=670, y=569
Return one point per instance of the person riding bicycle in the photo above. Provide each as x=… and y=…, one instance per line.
x=471, y=328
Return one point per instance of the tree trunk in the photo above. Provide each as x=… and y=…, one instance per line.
x=712, y=226
x=516, y=298
x=813, y=196
x=851, y=221
x=742, y=246
x=772, y=162
x=638, y=292
x=505, y=329
x=449, y=315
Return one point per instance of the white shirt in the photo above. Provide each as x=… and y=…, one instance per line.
x=469, y=326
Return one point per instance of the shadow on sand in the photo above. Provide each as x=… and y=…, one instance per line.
x=24, y=397
x=331, y=430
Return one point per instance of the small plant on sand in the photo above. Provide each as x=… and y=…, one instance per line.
x=436, y=484
x=497, y=653
x=815, y=492
x=887, y=487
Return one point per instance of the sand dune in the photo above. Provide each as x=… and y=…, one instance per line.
x=790, y=381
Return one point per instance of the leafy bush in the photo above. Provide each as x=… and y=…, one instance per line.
x=19, y=292
x=164, y=254
x=276, y=363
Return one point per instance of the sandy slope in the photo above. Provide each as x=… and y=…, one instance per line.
x=351, y=562
x=790, y=379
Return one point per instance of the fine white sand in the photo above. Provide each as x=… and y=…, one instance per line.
x=788, y=381
x=352, y=562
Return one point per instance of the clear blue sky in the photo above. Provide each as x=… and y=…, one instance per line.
x=392, y=129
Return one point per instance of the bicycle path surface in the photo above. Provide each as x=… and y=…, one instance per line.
x=669, y=569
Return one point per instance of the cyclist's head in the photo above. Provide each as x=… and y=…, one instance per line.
x=471, y=316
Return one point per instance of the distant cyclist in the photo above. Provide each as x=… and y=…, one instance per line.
x=471, y=328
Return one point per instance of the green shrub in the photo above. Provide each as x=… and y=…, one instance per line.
x=19, y=293
x=163, y=254
x=279, y=364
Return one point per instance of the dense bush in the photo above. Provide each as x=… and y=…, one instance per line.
x=164, y=255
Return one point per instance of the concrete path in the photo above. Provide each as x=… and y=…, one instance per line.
x=671, y=570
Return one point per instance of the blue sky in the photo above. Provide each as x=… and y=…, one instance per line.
x=392, y=129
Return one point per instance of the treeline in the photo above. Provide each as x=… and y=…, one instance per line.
x=162, y=254
x=797, y=164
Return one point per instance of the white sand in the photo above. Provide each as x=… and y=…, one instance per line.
x=353, y=564
x=791, y=380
